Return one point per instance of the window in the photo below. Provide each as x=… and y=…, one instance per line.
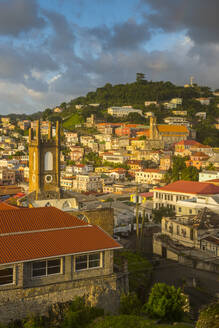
x=6, y=276
x=177, y=230
x=45, y=268
x=180, y=210
x=88, y=261
x=48, y=161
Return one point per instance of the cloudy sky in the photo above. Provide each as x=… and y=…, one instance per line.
x=55, y=50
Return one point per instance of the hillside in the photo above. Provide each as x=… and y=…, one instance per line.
x=135, y=94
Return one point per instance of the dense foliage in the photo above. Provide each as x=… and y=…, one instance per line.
x=209, y=317
x=130, y=321
x=130, y=304
x=179, y=171
x=165, y=302
x=139, y=271
x=161, y=212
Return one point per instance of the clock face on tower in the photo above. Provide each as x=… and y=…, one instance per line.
x=48, y=178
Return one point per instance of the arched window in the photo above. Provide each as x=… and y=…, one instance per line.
x=48, y=161
x=66, y=205
x=48, y=204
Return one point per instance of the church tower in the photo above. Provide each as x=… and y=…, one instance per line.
x=44, y=163
x=153, y=132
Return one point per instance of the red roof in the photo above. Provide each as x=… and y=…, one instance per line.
x=33, y=219
x=146, y=194
x=6, y=206
x=188, y=142
x=36, y=233
x=44, y=244
x=191, y=187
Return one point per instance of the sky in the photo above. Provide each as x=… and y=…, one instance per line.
x=52, y=51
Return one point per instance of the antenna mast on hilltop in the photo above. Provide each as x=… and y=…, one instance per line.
x=191, y=80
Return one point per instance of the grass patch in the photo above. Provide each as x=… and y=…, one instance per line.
x=74, y=119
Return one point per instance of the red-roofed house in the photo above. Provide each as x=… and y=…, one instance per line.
x=186, y=147
x=49, y=256
x=181, y=190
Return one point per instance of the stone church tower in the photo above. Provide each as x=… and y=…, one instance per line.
x=153, y=131
x=44, y=164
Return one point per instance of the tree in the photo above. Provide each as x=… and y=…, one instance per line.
x=79, y=314
x=166, y=302
x=162, y=212
x=190, y=173
x=210, y=167
x=135, y=118
x=47, y=113
x=209, y=316
x=129, y=304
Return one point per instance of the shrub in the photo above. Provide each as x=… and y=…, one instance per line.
x=129, y=304
x=209, y=316
x=79, y=314
x=165, y=302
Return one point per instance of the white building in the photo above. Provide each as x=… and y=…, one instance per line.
x=123, y=111
x=208, y=175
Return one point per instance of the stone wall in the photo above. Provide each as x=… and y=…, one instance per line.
x=102, y=291
x=26, y=295
x=103, y=217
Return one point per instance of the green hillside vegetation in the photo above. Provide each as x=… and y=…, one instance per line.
x=73, y=120
x=130, y=321
x=135, y=94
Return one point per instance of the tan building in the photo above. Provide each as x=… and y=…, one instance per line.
x=7, y=177
x=149, y=176
x=87, y=182
x=191, y=240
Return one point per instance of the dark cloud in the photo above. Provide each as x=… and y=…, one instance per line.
x=62, y=38
x=61, y=60
x=127, y=35
x=18, y=16
x=16, y=63
x=198, y=17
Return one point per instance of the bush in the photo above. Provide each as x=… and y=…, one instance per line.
x=129, y=304
x=79, y=314
x=209, y=317
x=165, y=302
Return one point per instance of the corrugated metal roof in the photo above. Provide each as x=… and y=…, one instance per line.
x=37, y=245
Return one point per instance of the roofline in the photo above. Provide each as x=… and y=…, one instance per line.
x=43, y=230
x=184, y=192
x=55, y=256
